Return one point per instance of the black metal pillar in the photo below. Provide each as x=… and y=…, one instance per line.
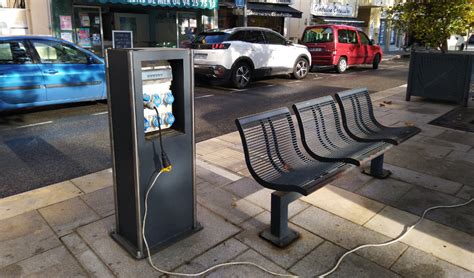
x=376, y=169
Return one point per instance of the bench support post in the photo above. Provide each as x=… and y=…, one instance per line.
x=376, y=169
x=279, y=234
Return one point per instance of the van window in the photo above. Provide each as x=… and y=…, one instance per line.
x=347, y=36
x=363, y=38
x=318, y=35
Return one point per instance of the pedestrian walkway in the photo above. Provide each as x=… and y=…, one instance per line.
x=63, y=230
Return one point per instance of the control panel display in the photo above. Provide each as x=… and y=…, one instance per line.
x=157, y=77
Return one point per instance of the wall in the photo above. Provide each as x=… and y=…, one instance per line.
x=39, y=17
x=296, y=25
x=13, y=22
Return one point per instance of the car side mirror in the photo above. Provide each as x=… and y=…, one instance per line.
x=372, y=42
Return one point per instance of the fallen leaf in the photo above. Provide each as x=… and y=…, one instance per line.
x=387, y=101
x=381, y=104
x=409, y=124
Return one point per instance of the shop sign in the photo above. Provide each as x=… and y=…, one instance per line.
x=268, y=13
x=197, y=4
x=287, y=2
x=344, y=8
x=122, y=39
x=382, y=30
x=239, y=3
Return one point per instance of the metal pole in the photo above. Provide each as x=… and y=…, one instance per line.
x=245, y=14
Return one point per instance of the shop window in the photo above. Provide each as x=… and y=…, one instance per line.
x=13, y=53
x=56, y=53
x=272, y=38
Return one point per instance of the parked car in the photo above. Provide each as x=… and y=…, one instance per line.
x=470, y=42
x=39, y=70
x=340, y=46
x=456, y=42
x=242, y=53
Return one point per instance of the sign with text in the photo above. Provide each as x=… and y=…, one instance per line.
x=122, y=39
x=343, y=8
x=239, y=3
x=197, y=4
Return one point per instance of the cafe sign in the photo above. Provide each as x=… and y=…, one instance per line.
x=196, y=4
x=342, y=8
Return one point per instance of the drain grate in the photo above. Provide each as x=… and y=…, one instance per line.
x=460, y=118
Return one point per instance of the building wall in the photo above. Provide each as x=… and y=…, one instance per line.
x=296, y=26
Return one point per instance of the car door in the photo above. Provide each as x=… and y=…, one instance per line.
x=366, y=52
x=258, y=51
x=356, y=55
x=282, y=58
x=69, y=73
x=21, y=80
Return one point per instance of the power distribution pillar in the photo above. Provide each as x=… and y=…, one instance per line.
x=162, y=78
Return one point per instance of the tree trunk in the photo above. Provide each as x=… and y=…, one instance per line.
x=444, y=46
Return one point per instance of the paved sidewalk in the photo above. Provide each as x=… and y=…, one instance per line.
x=63, y=230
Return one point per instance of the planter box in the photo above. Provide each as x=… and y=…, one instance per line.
x=440, y=76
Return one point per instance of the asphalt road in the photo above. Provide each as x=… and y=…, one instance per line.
x=49, y=145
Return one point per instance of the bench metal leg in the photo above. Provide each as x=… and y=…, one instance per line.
x=376, y=169
x=279, y=234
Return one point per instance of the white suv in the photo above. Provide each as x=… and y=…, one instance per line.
x=242, y=53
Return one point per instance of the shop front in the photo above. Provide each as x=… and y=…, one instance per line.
x=271, y=14
x=153, y=23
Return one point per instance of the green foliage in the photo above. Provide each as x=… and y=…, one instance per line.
x=432, y=22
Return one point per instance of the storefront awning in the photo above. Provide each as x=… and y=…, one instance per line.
x=272, y=10
x=194, y=4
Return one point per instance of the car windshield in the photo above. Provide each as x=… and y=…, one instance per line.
x=318, y=34
x=211, y=37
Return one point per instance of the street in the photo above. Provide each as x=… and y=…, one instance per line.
x=46, y=146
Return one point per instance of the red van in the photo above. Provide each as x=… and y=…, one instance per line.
x=340, y=46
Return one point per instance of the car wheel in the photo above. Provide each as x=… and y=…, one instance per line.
x=241, y=75
x=300, y=69
x=341, y=65
x=376, y=62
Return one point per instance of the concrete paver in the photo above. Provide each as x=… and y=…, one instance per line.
x=101, y=201
x=64, y=217
x=95, y=181
x=24, y=236
x=348, y=235
x=416, y=263
x=386, y=191
x=466, y=192
x=352, y=181
x=285, y=257
x=56, y=262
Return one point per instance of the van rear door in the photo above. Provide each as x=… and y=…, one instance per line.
x=320, y=43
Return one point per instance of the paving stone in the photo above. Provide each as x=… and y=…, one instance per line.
x=416, y=263
x=386, y=191
x=419, y=199
x=459, y=170
x=222, y=253
x=245, y=270
x=436, y=142
x=428, y=181
x=96, y=235
x=94, y=181
x=431, y=130
x=349, y=235
x=101, y=201
x=284, y=257
x=23, y=236
x=323, y=258
x=38, y=198
x=231, y=207
x=88, y=259
x=232, y=137
x=249, y=189
x=353, y=207
x=352, y=180
x=53, y=263
x=218, y=179
x=442, y=241
x=465, y=138
x=64, y=217
x=466, y=192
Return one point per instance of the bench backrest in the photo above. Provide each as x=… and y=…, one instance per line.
x=357, y=112
x=321, y=127
x=270, y=144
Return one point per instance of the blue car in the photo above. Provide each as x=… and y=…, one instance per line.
x=38, y=70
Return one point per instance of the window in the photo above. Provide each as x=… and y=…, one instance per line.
x=342, y=36
x=352, y=37
x=211, y=37
x=13, y=53
x=318, y=35
x=238, y=36
x=363, y=38
x=254, y=36
x=273, y=38
x=51, y=52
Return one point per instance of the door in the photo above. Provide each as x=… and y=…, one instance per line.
x=366, y=50
x=69, y=73
x=187, y=28
x=258, y=51
x=356, y=55
x=281, y=56
x=21, y=81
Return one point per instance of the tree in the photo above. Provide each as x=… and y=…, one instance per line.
x=432, y=22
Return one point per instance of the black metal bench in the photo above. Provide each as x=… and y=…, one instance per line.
x=276, y=161
x=325, y=139
x=360, y=124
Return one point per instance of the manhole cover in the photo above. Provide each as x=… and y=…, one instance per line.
x=460, y=118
